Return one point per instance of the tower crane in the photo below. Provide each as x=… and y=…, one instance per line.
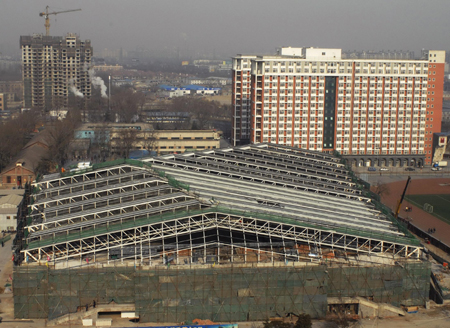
x=47, y=20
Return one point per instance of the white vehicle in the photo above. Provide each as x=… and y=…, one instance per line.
x=384, y=169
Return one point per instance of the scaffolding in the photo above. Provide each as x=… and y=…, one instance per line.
x=225, y=293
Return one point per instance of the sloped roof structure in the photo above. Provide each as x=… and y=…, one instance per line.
x=268, y=198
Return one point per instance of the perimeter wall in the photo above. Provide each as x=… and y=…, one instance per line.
x=219, y=293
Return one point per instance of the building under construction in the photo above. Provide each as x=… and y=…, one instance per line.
x=235, y=234
x=53, y=68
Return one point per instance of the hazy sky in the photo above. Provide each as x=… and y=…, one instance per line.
x=235, y=26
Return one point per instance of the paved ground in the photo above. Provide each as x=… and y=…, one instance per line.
x=420, y=218
x=7, y=304
x=399, y=174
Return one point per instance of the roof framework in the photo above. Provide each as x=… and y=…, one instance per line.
x=95, y=193
x=232, y=170
x=89, y=180
x=264, y=197
x=211, y=228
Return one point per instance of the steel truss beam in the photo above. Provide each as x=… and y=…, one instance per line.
x=319, y=157
x=88, y=217
x=274, y=172
x=120, y=196
x=162, y=162
x=313, y=171
x=307, y=164
x=85, y=176
x=92, y=180
x=96, y=193
x=166, y=234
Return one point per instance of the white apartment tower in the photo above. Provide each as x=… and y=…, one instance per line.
x=312, y=98
x=54, y=68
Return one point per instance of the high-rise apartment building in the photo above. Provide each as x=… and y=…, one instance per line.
x=313, y=99
x=54, y=67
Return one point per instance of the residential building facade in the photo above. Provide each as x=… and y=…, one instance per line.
x=312, y=98
x=53, y=68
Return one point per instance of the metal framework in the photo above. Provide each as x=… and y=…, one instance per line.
x=214, y=229
x=258, y=176
x=266, y=198
x=96, y=193
x=91, y=180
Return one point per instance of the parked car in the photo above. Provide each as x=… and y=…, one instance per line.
x=384, y=169
x=410, y=169
x=436, y=168
x=372, y=168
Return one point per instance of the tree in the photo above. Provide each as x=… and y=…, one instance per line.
x=149, y=140
x=303, y=321
x=202, y=111
x=59, y=135
x=15, y=133
x=381, y=189
x=102, y=142
x=125, y=105
x=125, y=141
x=276, y=324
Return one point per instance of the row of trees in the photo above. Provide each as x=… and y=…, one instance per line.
x=128, y=105
x=16, y=133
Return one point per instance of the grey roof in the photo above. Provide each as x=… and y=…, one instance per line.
x=310, y=187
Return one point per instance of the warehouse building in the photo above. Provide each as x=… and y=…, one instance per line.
x=236, y=234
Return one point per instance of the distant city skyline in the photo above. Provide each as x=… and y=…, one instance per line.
x=196, y=27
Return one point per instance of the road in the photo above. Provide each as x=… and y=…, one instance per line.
x=399, y=174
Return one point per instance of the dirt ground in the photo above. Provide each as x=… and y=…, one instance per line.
x=224, y=99
x=418, y=217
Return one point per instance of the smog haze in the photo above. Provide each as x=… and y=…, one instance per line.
x=226, y=28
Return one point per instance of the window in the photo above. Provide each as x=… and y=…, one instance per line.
x=8, y=179
x=8, y=217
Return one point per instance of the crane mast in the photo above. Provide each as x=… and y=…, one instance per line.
x=399, y=202
x=47, y=19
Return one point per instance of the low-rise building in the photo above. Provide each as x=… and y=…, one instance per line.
x=3, y=101
x=192, y=89
x=22, y=169
x=170, y=92
x=200, y=90
x=15, y=87
x=179, y=141
x=120, y=138
x=9, y=203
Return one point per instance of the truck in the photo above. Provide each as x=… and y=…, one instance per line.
x=440, y=164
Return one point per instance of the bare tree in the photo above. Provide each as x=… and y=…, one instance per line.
x=203, y=111
x=125, y=140
x=381, y=189
x=59, y=136
x=102, y=141
x=149, y=140
x=125, y=105
x=15, y=133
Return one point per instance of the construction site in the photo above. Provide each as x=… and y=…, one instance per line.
x=237, y=234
